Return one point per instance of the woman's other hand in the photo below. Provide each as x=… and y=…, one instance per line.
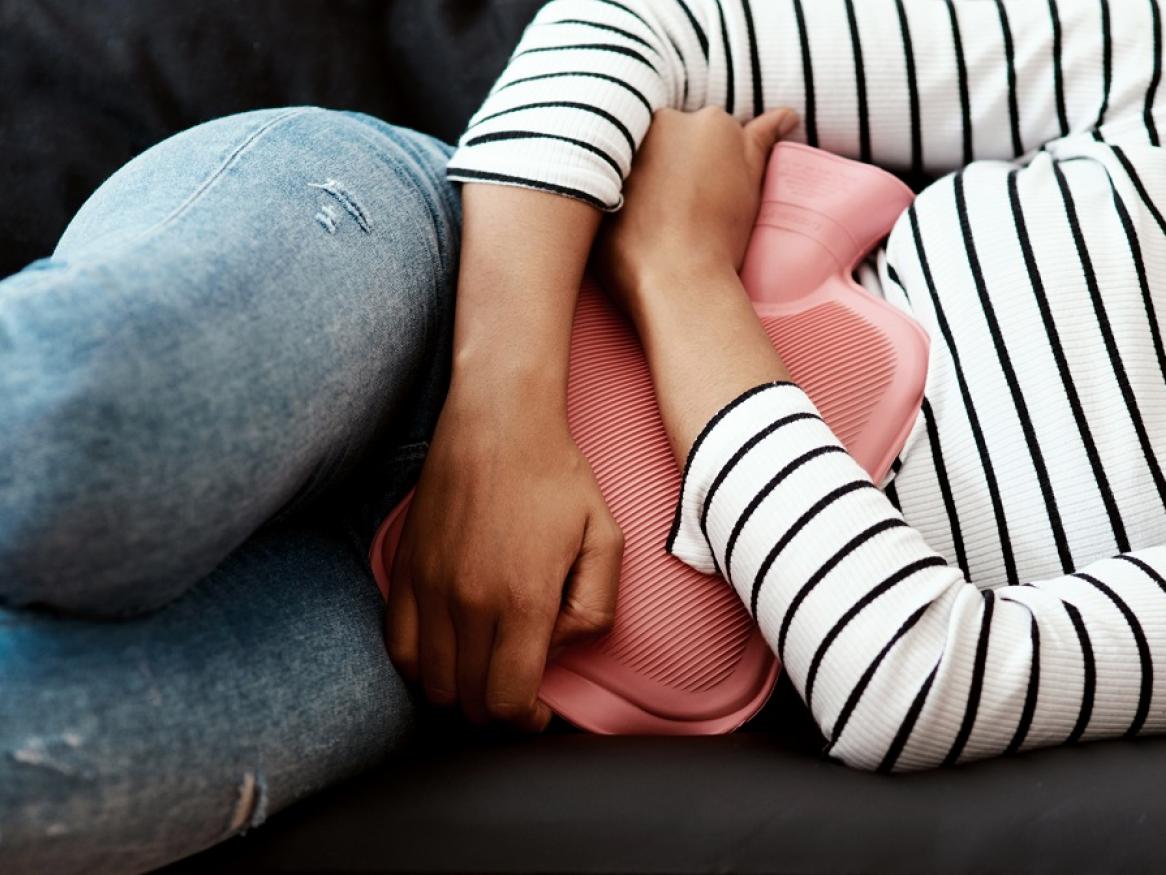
x=672, y=255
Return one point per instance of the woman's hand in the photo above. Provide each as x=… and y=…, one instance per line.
x=508, y=549
x=690, y=200
x=505, y=513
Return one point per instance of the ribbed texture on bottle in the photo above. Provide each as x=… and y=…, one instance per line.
x=682, y=629
x=861, y=367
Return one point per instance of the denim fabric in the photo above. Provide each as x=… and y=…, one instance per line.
x=224, y=376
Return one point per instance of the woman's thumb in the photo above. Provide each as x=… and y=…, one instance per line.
x=589, y=600
x=769, y=127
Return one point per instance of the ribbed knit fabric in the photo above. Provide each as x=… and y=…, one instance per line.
x=1005, y=588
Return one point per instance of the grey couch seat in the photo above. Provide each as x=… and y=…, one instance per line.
x=762, y=800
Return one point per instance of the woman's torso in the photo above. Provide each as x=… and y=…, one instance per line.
x=1042, y=438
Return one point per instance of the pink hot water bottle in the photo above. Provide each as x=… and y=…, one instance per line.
x=684, y=657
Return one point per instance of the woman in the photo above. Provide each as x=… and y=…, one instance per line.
x=1021, y=604
x=252, y=320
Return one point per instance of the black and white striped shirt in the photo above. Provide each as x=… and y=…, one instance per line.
x=1006, y=587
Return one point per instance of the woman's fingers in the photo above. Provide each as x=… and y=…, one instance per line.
x=401, y=623
x=516, y=671
x=475, y=642
x=763, y=132
x=588, y=608
x=437, y=651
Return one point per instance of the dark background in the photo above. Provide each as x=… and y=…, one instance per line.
x=85, y=85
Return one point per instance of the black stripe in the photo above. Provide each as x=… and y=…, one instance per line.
x=1010, y=59
x=765, y=490
x=810, y=119
x=857, y=608
x=1089, y=669
x=1135, y=247
x=859, y=84
x=501, y=136
x=953, y=520
x=733, y=462
x=863, y=682
x=1147, y=299
x=1009, y=371
x=468, y=174
x=1150, y=572
x=1054, y=338
x=590, y=47
x=969, y=405
x=610, y=28
x=639, y=95
x=893, y=276
x=629, y=11
x=730, y=89
x=696, y=444
x=962, y=67
x=905, y=728
x=1119, y=371
x=1030, y=697
x=816, y=508
x=1107, y=62
x=701, y=36
x=754, y=59
x=1132, y=173
x=831, y=563
x=892, y=495
x=972, y=708
x=912, y=94
x=1146, y=690
x=566, y=104
x=1156, y=79
x=897, y=464
x=1058, y=72
x=683, y=61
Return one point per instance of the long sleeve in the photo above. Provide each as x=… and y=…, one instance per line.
x=903, y=662
x=910, y=84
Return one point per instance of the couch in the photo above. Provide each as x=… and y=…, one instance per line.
x=87, y=84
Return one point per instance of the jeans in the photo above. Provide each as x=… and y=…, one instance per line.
x=223, y=378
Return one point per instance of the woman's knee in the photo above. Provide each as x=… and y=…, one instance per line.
x=80, y=466
x=138, y=449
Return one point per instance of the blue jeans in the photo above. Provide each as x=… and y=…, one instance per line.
x=210, y=394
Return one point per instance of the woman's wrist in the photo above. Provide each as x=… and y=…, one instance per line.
x=522, y=259
x=705, y=346
x=666, y=296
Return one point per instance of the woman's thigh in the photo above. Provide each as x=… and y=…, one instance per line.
x=125, y=745
x=230, y=324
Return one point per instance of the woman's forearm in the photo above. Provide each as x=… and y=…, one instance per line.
x=522, y=260
x=705, y=347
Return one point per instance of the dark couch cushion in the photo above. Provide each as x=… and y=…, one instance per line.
x=758, y=801
x=87, y=84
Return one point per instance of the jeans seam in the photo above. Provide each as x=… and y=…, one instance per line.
x=415, y=184
x=204, y=186
x=228, y=162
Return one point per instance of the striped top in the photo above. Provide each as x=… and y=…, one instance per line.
x=1005, y=588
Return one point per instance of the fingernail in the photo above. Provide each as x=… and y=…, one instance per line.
x=789, y=121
